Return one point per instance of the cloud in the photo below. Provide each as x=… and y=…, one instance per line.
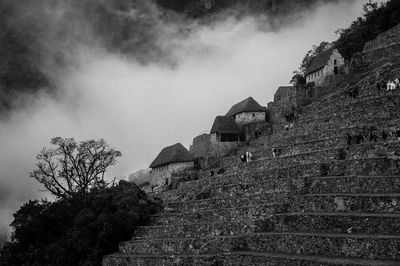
x=189, y=73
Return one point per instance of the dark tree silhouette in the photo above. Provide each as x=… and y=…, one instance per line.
x=376, y=19
x=74, y=168
x=298, y=79
x=74, y=232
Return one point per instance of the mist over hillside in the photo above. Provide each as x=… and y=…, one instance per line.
x=38, y=39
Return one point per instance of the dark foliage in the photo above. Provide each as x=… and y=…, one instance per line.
x=311, y=54
x=298, y=80
x=376, y=19
x=74, y=168
x=73, y=232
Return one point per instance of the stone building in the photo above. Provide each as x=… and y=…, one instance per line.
x=224, y=129
x=327, y=64
x=170, y=159
x=224, y=137
x=289, y=101
x=247, y=111
x=291, y=96
x=201, y=146
x=244, y=121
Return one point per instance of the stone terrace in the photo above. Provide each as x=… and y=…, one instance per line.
x=318, y=202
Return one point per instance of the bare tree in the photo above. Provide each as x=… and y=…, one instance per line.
x=74, y=168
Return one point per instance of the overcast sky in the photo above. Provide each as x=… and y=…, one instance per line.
x=139, y=109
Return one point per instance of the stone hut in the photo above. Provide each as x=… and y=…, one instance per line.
x=247, y=111
x=326, y=64
x=244, y=121
x=171, y=159
x=224, y=129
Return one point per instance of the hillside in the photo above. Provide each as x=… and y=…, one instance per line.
x=321, y=201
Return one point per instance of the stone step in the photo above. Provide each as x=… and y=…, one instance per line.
x=248, y=189
x=219, y=215
x=251, y=201
x=279, y=162
x=359, y=151
x=349, y=222
x=262, y=205
x=342, y=101
x=336, y=122
x=240, y=259
x=346, y=202
x=296, y=159
x=335, y=136
x=373, y=149
x=251, y=174
x=343, y=119
x=350, y=184
x=315, y=185
x=367, y=246
x=351, y=106
x=295, y=149
x=330, y=184
x=239, y=195
x=230, y=187
x=194, y=230
x=340, y=115
x=295, y=136
x=345, y=103
x=283, y=222
x=303, y=147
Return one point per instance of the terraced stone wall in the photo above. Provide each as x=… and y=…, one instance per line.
x=384, y=39
x=204, y=147
x=332, y=162
x=286, y=99
x=385, y=45
x=256, y=130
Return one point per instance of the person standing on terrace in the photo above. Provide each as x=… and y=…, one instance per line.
x=398, y=134
x=249, y=156
x=274, y=152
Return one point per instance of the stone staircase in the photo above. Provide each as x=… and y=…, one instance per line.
x=318, y=203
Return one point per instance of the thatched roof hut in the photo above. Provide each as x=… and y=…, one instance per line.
x=172, y=154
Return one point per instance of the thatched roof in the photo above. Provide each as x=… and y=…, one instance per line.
x=172, y=154
x=320, y=60
x=247, y=105
x=225, y=125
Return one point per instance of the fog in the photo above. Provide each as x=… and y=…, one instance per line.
x=139, y=108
